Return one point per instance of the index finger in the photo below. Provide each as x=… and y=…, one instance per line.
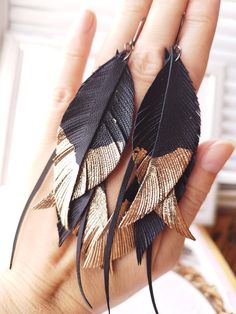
x=71, y=74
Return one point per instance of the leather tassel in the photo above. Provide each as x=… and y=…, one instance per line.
x=149, y=276
x=28, y=203
x=111, y=231
x=80, y=235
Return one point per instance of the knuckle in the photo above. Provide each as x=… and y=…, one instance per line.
x=194, y=196
x=198, y=18
x=145, y=65
x=75, y=54
x=62, y=96
x=134, y=6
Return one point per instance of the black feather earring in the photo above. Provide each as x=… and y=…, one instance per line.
x=91, y=138
x=165, y=140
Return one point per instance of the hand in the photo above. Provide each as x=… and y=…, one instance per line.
x=43, y=277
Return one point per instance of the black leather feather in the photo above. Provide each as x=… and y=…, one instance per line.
x=179, y=126
x=180, y=120
x=145, y=231
x=145, y=131
x=93, y=133
x=166, y=77
x=176, y=109
x=150, y=111
x=169, y=108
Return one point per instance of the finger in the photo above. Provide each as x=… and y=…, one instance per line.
x=209, y=163
x=210, y=160
x=71, y=74
x=197, y=35
x=130, y=13
x=125, y=25
x=159, y=32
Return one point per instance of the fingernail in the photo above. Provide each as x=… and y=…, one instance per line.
x=217, y=155
x=85, y=21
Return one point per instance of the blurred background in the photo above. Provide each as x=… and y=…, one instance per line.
x=32, y=35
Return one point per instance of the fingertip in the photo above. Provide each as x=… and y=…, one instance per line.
x=217, y=155
x=76, y=52
x=196, y=36
x=81, y=33
x=86, y=22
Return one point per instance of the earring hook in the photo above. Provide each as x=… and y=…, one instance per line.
x=129, y=47
x=177, y=48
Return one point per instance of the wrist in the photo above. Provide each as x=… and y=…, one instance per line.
x=19, y=293
x=5, y=300
x=14, y=297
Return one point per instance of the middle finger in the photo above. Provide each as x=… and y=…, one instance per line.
x=160, y=31
x=125, y=24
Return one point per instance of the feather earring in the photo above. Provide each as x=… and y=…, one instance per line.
x=163, y=153
x=93, y=133
x=91, y=138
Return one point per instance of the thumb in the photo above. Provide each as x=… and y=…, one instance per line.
x=210, y=160
x=211, y=157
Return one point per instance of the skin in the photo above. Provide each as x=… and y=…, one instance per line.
x=43, y=278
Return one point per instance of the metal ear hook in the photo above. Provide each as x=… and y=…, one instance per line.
x=178, y=50
x=129, y=47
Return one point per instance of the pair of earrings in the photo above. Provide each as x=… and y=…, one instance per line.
x=91, y=138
